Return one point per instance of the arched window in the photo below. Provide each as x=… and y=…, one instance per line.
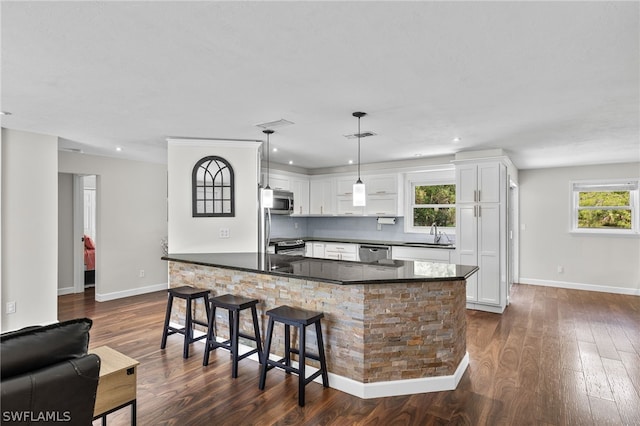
x=212, y=188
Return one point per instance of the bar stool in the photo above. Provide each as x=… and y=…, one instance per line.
x=189, y=294
x=233, y=304
x=299, y=318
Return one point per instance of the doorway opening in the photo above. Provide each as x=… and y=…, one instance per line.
x=89, y=229
x=85, y=235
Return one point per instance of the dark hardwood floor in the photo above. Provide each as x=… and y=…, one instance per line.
x=555, y=357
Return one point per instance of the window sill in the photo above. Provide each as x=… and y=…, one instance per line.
x=605, y=233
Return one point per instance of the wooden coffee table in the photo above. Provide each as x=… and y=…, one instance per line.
x=117, y=384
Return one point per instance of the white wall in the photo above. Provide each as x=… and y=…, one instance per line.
x=29, y=228
x=590, y=262
x=131, y=220
x=201, y=234
x=65, y=231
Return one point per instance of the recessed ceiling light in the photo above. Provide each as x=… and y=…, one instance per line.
x=118, y=148
x=417, y=155
x=457, y=139
x=350, y=161
x=290, y=162
x=275, y=149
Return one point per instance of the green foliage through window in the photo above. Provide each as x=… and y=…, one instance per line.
x=434, y=204
x=604, y=209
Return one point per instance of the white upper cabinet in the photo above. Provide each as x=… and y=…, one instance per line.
x=346, y=207
x=382, y=205
x=300, y=189
x=381, y=185
x=334, y=195
x=382, y=197
x=281, y=183
x=321, y=196
x=478, y=183
x=344, y=185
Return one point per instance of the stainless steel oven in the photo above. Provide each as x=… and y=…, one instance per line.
x=290, y=247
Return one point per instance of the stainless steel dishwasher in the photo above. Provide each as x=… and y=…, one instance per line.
x=373, y=252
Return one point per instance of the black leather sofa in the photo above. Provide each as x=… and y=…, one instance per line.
x=47, y=377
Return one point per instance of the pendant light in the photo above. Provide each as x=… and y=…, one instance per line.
x=267, y=192
x=359, y=193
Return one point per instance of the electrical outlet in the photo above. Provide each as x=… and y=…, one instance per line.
x=11, y=307
x=560, y=269
x=141, y=274
x=224, y=233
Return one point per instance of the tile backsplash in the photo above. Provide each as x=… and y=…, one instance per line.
x=356, y=228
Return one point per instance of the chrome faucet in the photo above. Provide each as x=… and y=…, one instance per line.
x=434, y=232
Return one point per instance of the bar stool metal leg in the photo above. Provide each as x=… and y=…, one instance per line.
x=188, y=330
x=301, y=365
x=211, y=335
x=167, y=316
x=256, y=330
x=265, y=355
x=323, y=359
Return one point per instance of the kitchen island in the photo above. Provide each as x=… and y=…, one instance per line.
x=390, y=328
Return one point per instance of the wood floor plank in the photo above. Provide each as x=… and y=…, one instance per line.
x=575, y=401
x=547, y=360
x=604, y=412
x=594, y=374
x=624, y=393
x=631, y=362
x=606, y=347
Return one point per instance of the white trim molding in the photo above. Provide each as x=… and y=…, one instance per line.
x=582, y=286
x=376, y=389
x=103, y=297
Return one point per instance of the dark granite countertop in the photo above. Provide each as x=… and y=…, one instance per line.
x=332, y=271
x=376, y=242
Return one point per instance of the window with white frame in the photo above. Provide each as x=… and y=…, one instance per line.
x=432, y=203
x=607, y=206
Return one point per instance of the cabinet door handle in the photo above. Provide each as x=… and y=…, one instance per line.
x=475, y=195
x=475, y=210
x=479, y=193
x=479, y=211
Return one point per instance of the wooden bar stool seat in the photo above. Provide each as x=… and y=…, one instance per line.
x=300, y=318
x=234, y=305
x=189, y=294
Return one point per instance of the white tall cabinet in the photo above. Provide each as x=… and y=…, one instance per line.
x=481, y=231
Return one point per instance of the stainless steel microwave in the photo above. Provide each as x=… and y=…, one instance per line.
x=282, y=202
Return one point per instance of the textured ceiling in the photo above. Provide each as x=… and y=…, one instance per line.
x=551, y=83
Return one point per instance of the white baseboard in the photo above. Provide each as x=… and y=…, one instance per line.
x=103, y=297
x=581, y=286
x=377, y=389
x=66, y=290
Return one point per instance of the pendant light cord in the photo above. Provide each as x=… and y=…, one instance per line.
x=359, y=149
x=268, y=132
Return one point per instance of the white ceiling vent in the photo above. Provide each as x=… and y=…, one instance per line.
x=273, y=124
x=362, y=135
